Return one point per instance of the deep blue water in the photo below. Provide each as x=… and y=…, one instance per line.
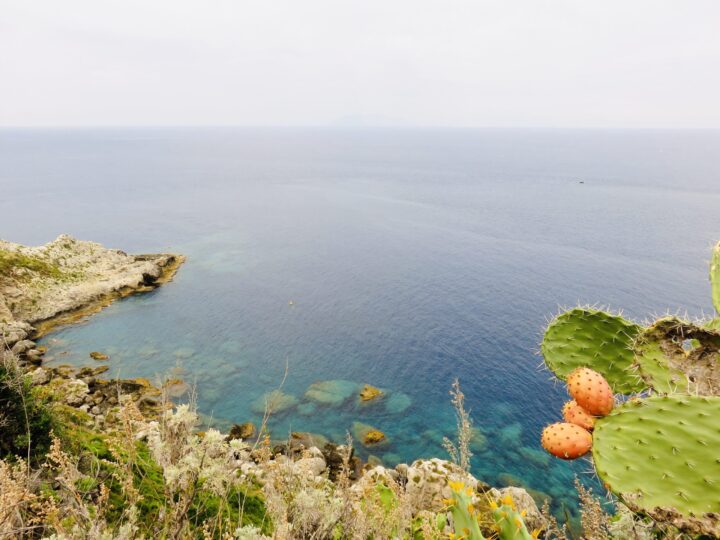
x=411, y=257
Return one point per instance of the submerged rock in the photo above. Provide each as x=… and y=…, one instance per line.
x=332, y=393
x=148, y=350
x=391, y=458
x=397, y=403
x=276, y=401
x=184, y=353
x=511, y=435
x=307, y=409
x=368, y=435
x=478, y=440
x=369, y=393
x=535, y=456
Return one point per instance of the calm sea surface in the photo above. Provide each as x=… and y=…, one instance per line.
x=399, y=258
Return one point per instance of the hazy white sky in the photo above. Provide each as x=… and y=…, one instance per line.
x=557, y=63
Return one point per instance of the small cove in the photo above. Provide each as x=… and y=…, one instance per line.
x=402, y=259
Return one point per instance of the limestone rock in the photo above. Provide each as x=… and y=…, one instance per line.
x=73, y=274
x=34, y=356
x=310, y=466
x=428, y=482
x=12, y=331
x=40, y=376
x=22, y=346
x=367, y=483
x=75, y=392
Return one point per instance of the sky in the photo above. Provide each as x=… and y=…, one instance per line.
x=451, y=63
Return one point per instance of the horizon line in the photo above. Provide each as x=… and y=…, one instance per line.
x=351, y=126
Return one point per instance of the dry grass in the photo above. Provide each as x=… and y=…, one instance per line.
x=460, y=451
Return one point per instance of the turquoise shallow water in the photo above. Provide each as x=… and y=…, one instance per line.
x=410, y=258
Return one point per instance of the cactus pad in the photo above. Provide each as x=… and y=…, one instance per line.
x=677, y=356
x=584, y=337
x=715, y=276
x=659, y=455
x=509, y=522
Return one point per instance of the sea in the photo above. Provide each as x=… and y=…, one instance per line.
x=324, y=259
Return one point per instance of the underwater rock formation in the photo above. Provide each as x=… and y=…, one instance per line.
x=331, y=393
x=275, y=402
x=368, y=435
x=369, y=393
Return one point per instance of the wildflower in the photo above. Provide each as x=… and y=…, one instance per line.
x=457, y=487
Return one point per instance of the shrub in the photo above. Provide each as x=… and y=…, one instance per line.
x=25, y=420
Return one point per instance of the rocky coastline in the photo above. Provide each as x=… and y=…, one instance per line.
x=67, y=279
x=63, y=282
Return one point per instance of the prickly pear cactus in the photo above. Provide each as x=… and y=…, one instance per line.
x=509, y=522
x=674, y=356
x=465, y=519
x=584, y=337
x=660, y=457
x=715, y=276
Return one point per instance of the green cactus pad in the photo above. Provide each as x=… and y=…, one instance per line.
x=715, y=276
x=465, y=521
x=584, y=337
x=659, y=455
x=510, y=524
x=677, y=356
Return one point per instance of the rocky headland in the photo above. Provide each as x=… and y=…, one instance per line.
x=66, y=280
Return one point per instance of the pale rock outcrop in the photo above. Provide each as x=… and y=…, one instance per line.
x=67, y=274
x=371, y=478
x=39, y=376
x=428, y=482
x=309, y=466
x=75, y=392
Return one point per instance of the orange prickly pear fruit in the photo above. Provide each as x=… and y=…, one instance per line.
x=566, y=441
x=575, y=414
x=591, y=391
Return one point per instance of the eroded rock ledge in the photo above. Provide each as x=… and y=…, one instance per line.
x=67, y=279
